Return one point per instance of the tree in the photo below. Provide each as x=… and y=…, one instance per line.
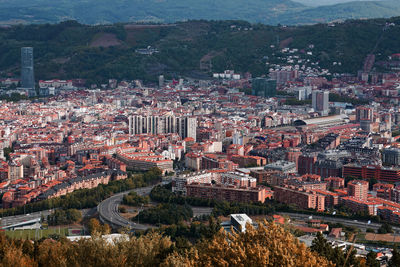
x=106, y=229
x=266, y=245
x=94, y=226
x=62, y=217
x=14, y=256
x=148, y=250
x=385, y=229
x=321, y=246
x=165, y=214
x=335, y=255
x=395, y=260
x=133, y=199
x=371, y=259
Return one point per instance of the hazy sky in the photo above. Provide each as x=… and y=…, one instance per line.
x=326, y=2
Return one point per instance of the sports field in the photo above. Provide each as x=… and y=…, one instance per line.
x=36, y=234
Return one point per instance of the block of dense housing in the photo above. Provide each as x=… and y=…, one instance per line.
x=331, y=198
x=358, y=205
x=385, y=174
x=309, y=192
x=217, y=161
x=282, y=166
x=387, y=191
x=53, y=189
x=143, y=161
x=301, y=198
x=358, y=200
x=179, y=182
x=334, y=182
x=389, y=211
x=263, y=176
x=248, y=161
x=87, y=182
x=232, y=187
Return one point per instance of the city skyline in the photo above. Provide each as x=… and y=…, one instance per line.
x=197, y=136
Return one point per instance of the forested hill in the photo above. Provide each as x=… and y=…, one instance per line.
x=270, y=12
x=71, y=50
x=107, y=11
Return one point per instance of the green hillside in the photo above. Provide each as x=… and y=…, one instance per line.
x=97, y=53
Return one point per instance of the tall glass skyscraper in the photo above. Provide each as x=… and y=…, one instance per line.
x=27, y=74
x=263, y=87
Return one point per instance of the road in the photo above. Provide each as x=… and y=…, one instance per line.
x=108, y=210
x=10, y=220
x=354, y=223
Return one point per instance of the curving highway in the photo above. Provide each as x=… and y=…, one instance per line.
x=348, y=222
x=108, y=210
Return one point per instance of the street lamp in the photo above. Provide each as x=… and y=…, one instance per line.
x=139, y=213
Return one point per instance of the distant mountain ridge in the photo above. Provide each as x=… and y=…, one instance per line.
x=350, y=10
x=256, y=11
x=327, y=2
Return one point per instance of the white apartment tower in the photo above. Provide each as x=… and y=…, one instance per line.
x=150, y=124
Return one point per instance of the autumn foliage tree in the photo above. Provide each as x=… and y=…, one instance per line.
x=266, y=245
x=94, y=226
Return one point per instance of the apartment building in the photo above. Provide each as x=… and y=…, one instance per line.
x=358, y=205
x=367, y=172
x=302, y=199
x=228, y=193
x=230, y=186
x=358, y=189
x=180, y=182
x=144, y=161
x=162, y=124
x=335, y=182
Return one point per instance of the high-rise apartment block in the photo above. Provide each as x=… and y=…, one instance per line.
x=364, y=114
x=27, y=71
x=320, y=102
x=358, y=189
x=153, y=124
